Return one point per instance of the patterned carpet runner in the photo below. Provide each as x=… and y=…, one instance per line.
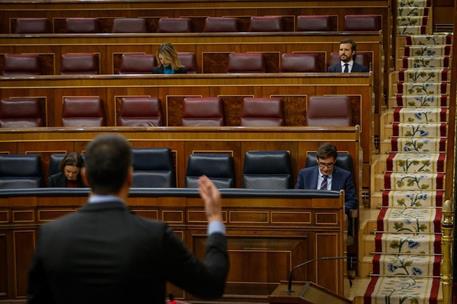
x=406, y=250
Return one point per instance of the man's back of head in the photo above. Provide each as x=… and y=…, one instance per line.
x=108, y=161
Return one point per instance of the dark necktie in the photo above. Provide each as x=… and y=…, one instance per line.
x=324, y=182
x=346, y=68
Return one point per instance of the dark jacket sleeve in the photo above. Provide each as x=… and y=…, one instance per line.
x=38, y=285
x=300, y=180
x=350, y=195
x=56, y=180
x=204, y=279
x=333, y=68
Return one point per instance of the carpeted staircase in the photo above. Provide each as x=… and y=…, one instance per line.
x=401, y=248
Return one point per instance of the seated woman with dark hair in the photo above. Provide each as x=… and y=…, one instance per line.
x=168, y=61
x=70, y=172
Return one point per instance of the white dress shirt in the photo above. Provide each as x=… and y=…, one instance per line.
x=350, y=64
x=320, y=178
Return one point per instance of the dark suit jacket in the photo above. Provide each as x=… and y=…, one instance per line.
x=341, y=180
x=59, y=180
x=356, y=68
x=105, y=254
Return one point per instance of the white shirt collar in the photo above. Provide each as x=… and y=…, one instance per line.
x=350, y=64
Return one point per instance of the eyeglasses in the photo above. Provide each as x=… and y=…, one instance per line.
x=326, y=165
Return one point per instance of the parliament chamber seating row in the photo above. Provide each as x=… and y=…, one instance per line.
x=141, y=63
x=195, y=24
x=134, y=111
x=155, y=168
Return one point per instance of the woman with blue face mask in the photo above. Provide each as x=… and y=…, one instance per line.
x=168, y=61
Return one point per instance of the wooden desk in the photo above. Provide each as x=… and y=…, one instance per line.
x=268, y=234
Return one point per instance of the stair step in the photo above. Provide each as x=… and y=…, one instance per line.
x=419, y=162
x=416, y=115
x=435, y=39
x=412, y=20
x=400, y=288
x=414, y=130
x=413, y=145
x=421, y=75
x=409, y=220
x=409, y=199
x=417, y=244
x=429, y=62
x=411, y=30
x=427, y=50
x=431, y=88
x=413, y=3
x=409, y=265
x=412, y=11
x=408, y=182
x=418, y=101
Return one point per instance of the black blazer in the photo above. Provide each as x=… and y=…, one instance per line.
x=105, y=254
x=160, y=68
x=356, y=68
x=59, y=180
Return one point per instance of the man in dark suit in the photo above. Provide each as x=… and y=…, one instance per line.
x=347, y=64
x=326, y=176
x=104, y=254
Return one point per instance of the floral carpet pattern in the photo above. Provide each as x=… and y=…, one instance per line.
x=407, y=242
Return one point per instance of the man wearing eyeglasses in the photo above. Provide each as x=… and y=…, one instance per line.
x=326, y=176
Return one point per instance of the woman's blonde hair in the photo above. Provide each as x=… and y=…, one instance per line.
x=168, y=51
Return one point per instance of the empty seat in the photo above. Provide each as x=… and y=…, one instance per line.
x=139, y=111
x=136, y=63
x=262, y=112
x=362, y=22
x=21, y=113
x=31, y=26
x=316, y=23
x=81, y=25
x=80, y=63
x=21, y=64
x=329, y=111
x=54, y=163
x=218, y=167
x=82, y=111
x=302, y=62
x=188, y=60
x=203, y=112
x=129, y=25
x=266, y=24
x=221, y=24
x=267, y=170
x=20, y=171
x=174, y=25
x=246, y=63
x=153, y=168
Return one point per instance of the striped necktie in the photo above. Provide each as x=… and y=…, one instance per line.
x=324, y=183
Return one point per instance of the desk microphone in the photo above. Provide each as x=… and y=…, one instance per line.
x=291, y=272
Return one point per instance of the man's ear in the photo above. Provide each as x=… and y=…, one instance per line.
x=84, y=176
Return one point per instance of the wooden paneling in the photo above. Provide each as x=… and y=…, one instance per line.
x=262, y=251
x=294, y=88
x=4, y=265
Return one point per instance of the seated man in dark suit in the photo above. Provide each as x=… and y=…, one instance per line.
x=103, y=253
x=347, y=54
x=326, y=176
